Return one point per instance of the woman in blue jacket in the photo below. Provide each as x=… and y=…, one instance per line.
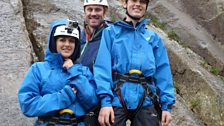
x=132, y=65
x=58, y=91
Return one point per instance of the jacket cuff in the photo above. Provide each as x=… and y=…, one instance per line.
x=167, y=108
x=106, y=102
x=74, y=71
x=70, y=93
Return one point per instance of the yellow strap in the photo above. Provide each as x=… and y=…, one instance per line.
x=66, y=111
x=135, y=71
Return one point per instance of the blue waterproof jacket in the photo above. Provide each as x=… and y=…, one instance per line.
x=46, y=88
x=124, y=48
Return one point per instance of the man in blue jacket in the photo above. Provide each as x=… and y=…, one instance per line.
x=58, y=91
x=95, y=11
x=131, y=69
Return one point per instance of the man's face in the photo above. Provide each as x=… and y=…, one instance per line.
x=136, y=8
x=94, y=15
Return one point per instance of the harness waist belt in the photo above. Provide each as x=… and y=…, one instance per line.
x=128, y=78
x=61, y=120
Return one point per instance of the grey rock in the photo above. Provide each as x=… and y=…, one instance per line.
x=191, y=34
x=15, y=60
x=23, y=39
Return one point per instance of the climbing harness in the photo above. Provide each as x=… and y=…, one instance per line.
x=141, y=79
x=91, y=118
x=71, y=120
x=58, y=119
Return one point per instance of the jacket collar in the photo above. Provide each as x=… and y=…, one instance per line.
x=130, y=22
x=125, y=24
x=55, y=59
x=97, y=35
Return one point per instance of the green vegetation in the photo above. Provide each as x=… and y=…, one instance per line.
x=215, y=70
x=195, y=103
x=158, y=24
x=183, y=44
x=172, y=35
x=222, y=78
x=176, y=87
x=113, y=18
x=212, y=69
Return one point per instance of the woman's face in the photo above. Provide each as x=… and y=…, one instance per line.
x=65, y=45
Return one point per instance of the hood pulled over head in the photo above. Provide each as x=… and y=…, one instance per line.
x=64, y=27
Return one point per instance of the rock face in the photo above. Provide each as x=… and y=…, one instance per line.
x=201, y=92
x=38, y=20
x=177, y=15
x=15, y=59
x=198, y=24
x=210, y=14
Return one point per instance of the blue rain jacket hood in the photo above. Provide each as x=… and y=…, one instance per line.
x=47, y=86
x=52, y=40
x=124, y=48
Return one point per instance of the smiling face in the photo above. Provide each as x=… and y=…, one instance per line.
x=65, y=45
x=94, y=15
x=136, y=8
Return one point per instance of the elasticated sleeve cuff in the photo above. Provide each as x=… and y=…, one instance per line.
x=70, y=93
x=167, y=108
x=106, y=102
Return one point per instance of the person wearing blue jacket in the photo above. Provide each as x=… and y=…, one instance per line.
x=94, y=12
x=131, y=69
x=58, y=90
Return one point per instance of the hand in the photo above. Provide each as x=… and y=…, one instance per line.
x=67, y=64
x=74, y=90
x=106, y=116
x=166, y=118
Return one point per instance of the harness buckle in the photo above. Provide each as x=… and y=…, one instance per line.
x=135, y=71
x=90, y=114
x=63, y=111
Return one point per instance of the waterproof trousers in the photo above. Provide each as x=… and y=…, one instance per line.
x=146, y=116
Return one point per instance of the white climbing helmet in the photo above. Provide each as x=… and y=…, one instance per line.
x=96, y=2
x=71, y=29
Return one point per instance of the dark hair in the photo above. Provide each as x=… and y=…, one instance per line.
x=76, y=53
x=147, y=1
x=52, y=41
